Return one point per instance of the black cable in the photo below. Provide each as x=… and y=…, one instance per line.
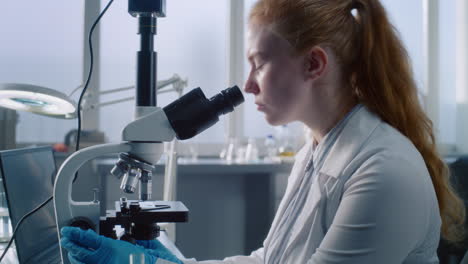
x=19, y=223
x=78, y=110
x=90, y=73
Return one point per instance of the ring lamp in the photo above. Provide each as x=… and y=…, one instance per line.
x=36, y=99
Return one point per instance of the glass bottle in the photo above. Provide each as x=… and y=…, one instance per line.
x=270, y=148
x=285, y=146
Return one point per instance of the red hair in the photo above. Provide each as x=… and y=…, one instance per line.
x=376, y=67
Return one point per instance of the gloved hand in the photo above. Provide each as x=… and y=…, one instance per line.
x=158, y=250
x=90, y=248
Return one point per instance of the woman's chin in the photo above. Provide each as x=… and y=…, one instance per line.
x=274, y=121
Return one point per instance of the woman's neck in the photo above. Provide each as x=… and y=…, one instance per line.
x=330, y=115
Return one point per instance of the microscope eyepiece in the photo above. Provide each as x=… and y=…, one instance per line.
x=193, y=113
x=226, y=100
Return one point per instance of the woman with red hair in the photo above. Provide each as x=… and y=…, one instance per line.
x=370, y=187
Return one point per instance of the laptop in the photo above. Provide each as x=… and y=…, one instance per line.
x=28, y=176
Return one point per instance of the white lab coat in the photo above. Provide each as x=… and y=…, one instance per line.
x=372, y=201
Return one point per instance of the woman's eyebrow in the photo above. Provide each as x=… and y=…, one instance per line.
x=254, y=54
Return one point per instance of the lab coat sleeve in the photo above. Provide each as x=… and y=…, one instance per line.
x=255, y=258
x=379, y=217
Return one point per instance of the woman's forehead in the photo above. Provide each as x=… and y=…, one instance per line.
x=261, y=39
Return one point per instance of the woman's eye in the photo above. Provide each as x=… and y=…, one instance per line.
x=259, y=67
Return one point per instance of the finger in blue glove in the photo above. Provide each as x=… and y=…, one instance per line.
x=150, y=244
x=80, y=252
x=88, y=247
x=73, y=260
x=158, y=250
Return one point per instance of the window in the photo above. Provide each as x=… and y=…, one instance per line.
x=42, y=45
x=447, y=79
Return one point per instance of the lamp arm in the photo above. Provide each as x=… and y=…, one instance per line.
x=175, y=79
x=94, y=106
x=76, y=89
x=160, y=85
x=178, y=86
x=122, y=89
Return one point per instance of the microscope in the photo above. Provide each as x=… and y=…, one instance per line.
x=141, y=147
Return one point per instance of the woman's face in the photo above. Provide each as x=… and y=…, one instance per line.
x=276, y=77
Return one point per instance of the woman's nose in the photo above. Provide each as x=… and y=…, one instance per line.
x=251, y=87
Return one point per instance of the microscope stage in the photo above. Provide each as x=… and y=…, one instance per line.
x=152, y=211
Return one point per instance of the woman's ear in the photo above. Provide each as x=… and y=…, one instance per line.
x=316, y=62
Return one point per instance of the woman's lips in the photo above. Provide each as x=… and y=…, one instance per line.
x=260, y=107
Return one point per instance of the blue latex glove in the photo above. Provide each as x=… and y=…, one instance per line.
x=158, y=250
x=86, y=247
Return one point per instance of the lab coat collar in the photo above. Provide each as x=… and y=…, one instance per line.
x=320, y=151
x=350, y=140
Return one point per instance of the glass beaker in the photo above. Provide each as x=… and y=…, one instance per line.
x=229, y=152
x=251, y=151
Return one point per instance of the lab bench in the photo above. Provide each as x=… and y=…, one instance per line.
x=231, y=205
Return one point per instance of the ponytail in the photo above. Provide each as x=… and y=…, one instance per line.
x=376, y=66
x=384, y=83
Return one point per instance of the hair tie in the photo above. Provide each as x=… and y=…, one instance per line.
x=354, y=7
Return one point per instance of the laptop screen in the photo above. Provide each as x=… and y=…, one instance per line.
x=28, y=176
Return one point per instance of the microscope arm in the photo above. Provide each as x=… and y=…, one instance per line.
x=144, y=128
x=65, y=207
